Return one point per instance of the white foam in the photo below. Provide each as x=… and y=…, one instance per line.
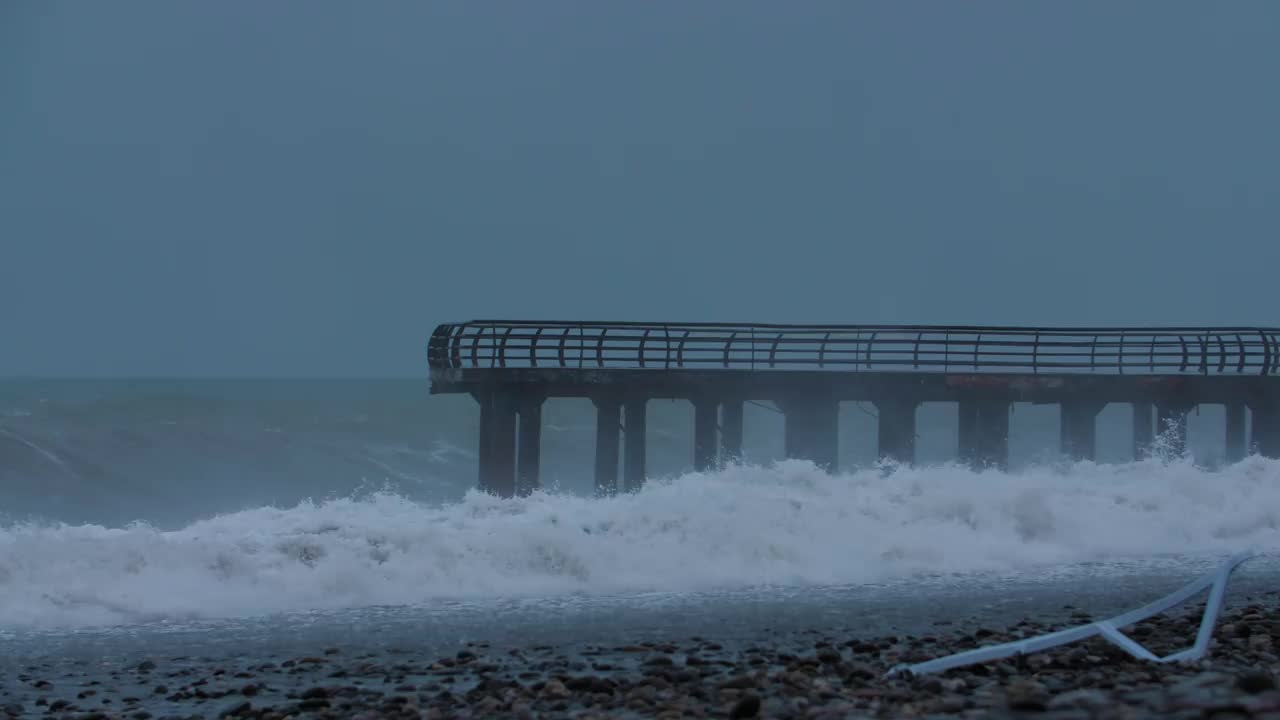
x=785, y=524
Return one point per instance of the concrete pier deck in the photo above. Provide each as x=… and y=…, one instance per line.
x=512, y=367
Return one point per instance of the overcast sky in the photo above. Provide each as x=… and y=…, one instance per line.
x=248, y=188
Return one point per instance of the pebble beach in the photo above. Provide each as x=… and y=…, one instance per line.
x=797, y=674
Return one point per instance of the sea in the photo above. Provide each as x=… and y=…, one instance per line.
x=205, y=517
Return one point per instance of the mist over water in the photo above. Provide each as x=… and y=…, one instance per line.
x=171, y=452
x=160, y=502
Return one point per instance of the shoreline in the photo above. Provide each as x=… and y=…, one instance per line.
x=796, y=674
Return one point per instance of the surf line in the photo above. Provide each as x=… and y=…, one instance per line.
x=1109, y=629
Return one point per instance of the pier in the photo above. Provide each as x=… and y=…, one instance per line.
x=512, y=367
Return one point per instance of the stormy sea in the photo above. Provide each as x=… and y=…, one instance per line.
x=264, y=519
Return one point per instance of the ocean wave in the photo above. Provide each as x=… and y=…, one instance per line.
x=783, y=524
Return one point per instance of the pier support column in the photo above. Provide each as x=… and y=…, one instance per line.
x=1171, y=424
x=529, y=451
x=1143, y=432
x=731, y=431
x=984, y=433
x=636, y=430
x=704, y=434
x=1079, y=429
x=1236, y=448
x=497, y=443
x=1266, y=428
x=813, y=429
x=607, y=425
x=897, y=430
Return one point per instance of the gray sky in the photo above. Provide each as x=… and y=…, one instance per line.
x=246, y=188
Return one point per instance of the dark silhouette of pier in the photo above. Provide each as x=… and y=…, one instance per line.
x=513, y=367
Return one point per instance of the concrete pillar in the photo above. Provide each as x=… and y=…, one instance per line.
x=497, y=443
x=1079, y=429
x=897, y=429
x=1143, y=429
x=792, y=428
x=607, y=421
x=813, y=429
x=984, y=433
x=1236, y=447
x=1171, y=424
x=994, y=431
x=636, y=430
x=483, y=457
x=967, y=431
x=731, y=431
x=529, y=451
x=1266, y=429
x=704, y=434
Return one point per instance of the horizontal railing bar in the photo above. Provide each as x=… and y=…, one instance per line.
x=739, y=358
x=1080, y=330
x=859, y=346
x=745, y=335
x=834, y=347
x=691, y=344
x=522, y=352
x=958, y=365
x=659, y=340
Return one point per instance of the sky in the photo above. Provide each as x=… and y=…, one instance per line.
x=307, y=188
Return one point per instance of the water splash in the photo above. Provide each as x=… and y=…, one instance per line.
x=785, y=524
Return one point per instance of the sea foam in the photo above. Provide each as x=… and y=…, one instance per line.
x=783, y=524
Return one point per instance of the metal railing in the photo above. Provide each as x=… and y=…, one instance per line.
x=853, y=348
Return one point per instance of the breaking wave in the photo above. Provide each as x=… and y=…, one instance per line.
x=783, y=524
